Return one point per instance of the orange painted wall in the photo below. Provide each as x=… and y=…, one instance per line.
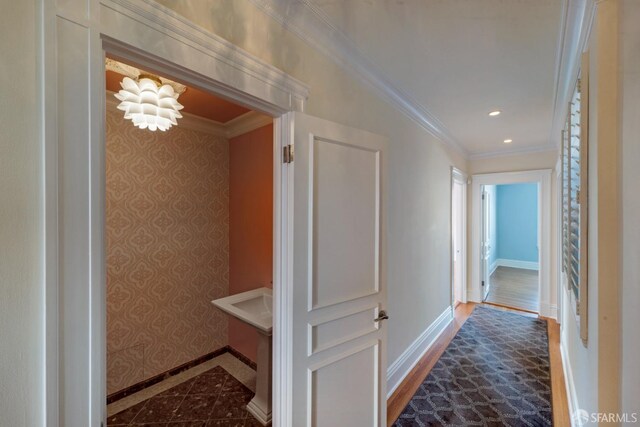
x=250, y=224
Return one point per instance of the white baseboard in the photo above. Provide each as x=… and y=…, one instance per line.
x=399, y=369
x=572, y=397
x=548, y=310
x=514, y=263
x=493, y=267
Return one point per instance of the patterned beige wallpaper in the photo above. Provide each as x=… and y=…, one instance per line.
x=167, y=207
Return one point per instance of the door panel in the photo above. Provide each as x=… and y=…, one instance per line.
x=332, y=406
x=344, y=181
x=339, y=350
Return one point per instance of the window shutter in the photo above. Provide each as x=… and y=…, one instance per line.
x=574, y=189
x=573, y=272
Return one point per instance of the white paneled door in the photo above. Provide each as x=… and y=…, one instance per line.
x=339, y=289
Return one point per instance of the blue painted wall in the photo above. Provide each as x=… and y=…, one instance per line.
x=517, y=221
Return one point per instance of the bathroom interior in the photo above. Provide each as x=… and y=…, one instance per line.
x=189, y=234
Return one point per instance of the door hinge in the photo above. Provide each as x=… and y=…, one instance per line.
x=287, y=154
x=483, y=283
x=482, y=196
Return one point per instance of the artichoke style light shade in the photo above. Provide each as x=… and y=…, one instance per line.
x=148, y=103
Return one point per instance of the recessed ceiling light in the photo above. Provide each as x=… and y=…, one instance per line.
x=508, y=141
x=495, y=113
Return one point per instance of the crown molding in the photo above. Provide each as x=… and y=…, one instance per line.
x=513, y=152
x=246, y=123
x=458, y=175
x=575, y=28
x=174, y=25
x=240, y=125
x=314, y=27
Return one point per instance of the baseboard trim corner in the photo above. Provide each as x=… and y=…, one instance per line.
x=493, y=267
x=572, y=397
x=398, y=370
x=548, y=310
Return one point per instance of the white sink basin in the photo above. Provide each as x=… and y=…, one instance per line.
x=252, y=307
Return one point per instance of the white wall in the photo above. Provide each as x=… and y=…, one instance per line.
x=21, y=215
x=418, y=188
x=630, y=81
x=583, y=360
x=419, y=184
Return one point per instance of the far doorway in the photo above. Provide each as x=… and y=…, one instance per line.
x=510, y=245
x=458, y=237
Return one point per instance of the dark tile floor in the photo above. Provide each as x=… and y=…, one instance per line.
x=213, y=398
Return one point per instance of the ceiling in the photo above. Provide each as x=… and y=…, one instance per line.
x=195, y=101
x=461, y=59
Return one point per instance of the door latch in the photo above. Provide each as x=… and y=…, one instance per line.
x=381, y=316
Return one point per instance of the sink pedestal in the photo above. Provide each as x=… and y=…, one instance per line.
x=254, y=308
x=260, y=405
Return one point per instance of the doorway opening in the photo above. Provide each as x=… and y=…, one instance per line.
x=510, y=246
x=458, y=237
x=524, y=273
x=189, y=220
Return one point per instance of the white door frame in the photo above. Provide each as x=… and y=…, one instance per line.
x=543, y=178
x=75, y=36
x=485, y=234
x=459, y=177
x=558, y=243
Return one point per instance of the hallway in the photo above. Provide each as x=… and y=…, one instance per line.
x=501, y=367
x=121, y=224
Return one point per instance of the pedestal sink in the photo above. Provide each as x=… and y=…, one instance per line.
x=255, y=308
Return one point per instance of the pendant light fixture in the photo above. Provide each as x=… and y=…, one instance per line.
x=148, y=103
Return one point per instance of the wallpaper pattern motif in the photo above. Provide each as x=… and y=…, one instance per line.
x=167, y=214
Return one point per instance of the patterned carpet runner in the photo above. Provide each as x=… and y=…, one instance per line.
x=495, y=372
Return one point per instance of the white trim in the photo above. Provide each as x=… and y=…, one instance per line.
x=558, y=243
x=398, y=370
x=572, y=396
x=282, y=409
x=543, y=178
x=201, y=59
x=240, y=125
x=312, y=26
x=177, y=26
x=462, y=178
x=458, y=175
x=246, y=123
x=516, y=263
x=548, y=310
x=575, y=27
x=492, y=267
x=75, y=36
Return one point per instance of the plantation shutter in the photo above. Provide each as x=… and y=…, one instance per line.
x=574, y=188
x=573, y=272
x=574, y=198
